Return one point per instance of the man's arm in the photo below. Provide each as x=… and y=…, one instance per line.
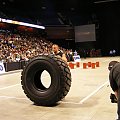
x=64, y=57
x=113, y=83
x=116, y=94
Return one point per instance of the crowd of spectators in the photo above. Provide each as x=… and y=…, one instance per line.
x=18, y=47
x=23, y=47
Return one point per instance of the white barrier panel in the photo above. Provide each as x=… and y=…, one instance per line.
x=77, y=58
x=2, y=68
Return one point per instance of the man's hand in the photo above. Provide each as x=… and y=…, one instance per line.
x=113, y=98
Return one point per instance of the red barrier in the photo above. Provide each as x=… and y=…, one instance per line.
x=84, y=65
x=89, y=64
x=71, y=65
x=97, y=64
x=77, y=64
x=93, y=65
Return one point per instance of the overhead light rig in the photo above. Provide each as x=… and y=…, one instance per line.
x=21, y=23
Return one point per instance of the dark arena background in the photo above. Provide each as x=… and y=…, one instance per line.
x=88, y=29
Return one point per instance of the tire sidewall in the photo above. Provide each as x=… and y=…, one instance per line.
x=42, y=63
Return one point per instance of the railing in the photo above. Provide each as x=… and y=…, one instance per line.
x=10, y=66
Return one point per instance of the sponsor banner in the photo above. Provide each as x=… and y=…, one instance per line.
x=77, y=58
x=2, y=68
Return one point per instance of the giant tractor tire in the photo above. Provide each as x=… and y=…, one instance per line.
x=60, y=82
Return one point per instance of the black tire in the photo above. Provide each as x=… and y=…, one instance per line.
x=60, y=80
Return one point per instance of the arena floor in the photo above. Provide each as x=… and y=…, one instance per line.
x=88, y=98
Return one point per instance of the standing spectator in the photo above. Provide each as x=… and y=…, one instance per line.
x=84, y=53
x=111, y=53
x=114, y=52
x=69, y=56
x=75, y=53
